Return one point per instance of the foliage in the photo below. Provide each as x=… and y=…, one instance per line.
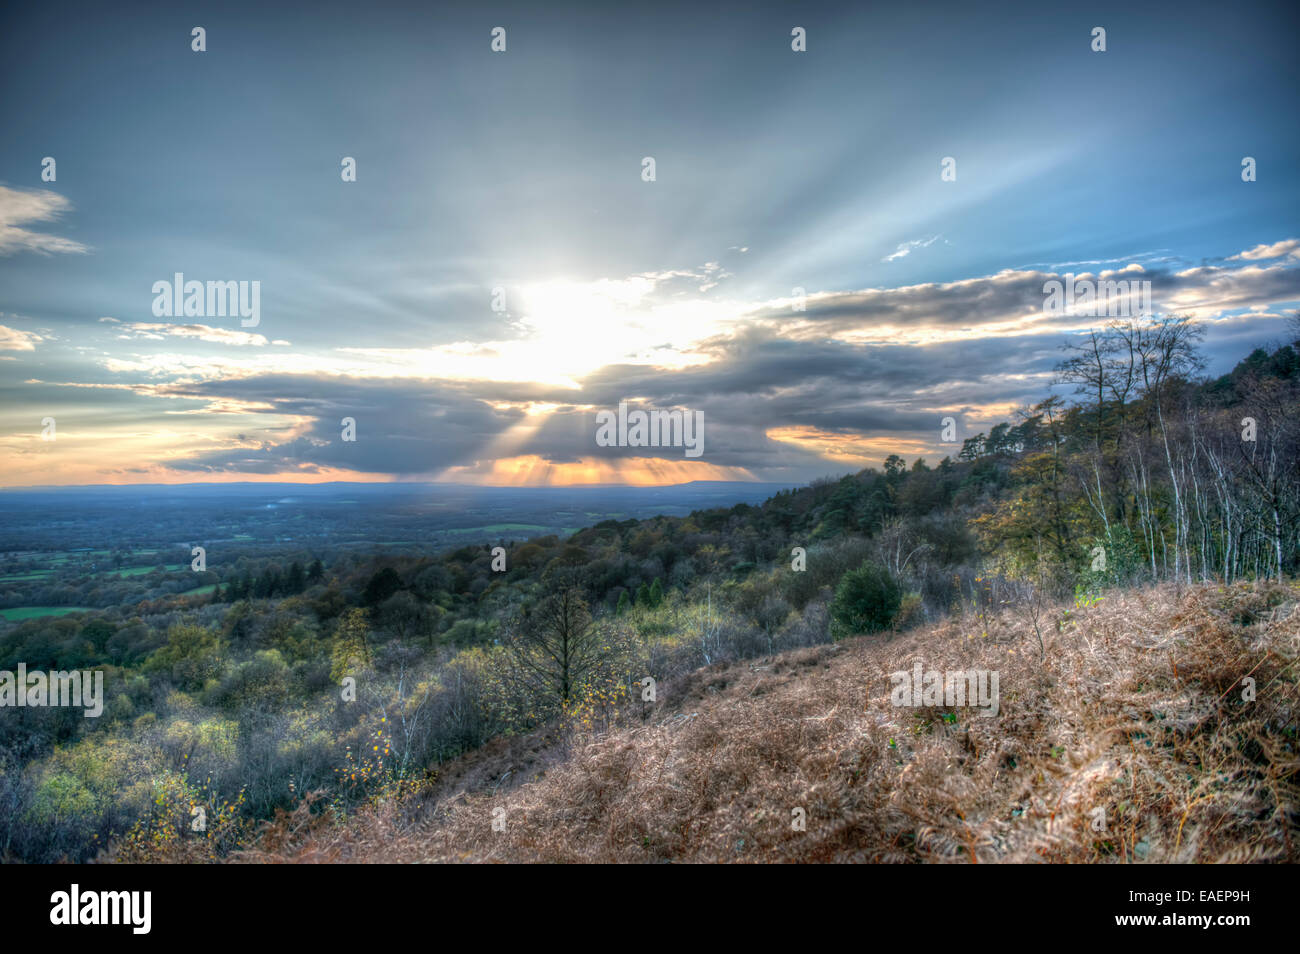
x=866, y=601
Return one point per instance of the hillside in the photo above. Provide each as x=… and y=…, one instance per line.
x=1135, y=708
x=360, y=678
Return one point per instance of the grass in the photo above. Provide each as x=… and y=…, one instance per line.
x=35, y=612
x=1128, y=741
x=141, y=570
x=502, y=528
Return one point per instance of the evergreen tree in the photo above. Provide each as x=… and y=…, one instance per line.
x=866, y=601
x=382, y=585
x=265, y=584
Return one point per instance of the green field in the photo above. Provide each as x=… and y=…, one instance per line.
x=503, y=528
x=138, y=570
x=35, y=612
x=19, y=577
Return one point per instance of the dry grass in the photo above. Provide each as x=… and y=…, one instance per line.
x=1137, y=710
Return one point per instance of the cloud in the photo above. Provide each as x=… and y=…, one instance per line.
x=405, y=428
x=567, y=329
x=1276, y=250
x=1011, y=302
x=11, y=339
x=907, y=247
x=785, y=395
x=20, y=206
x=226, y=336
x=1156, y=256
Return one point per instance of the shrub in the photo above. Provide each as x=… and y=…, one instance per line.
x=866, y=601
x=911, y=612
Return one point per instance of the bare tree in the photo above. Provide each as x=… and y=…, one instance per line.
x=555, y=647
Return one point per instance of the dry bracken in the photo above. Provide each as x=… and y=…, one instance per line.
x=1134, y=740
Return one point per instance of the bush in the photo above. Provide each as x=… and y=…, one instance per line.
x=866, y=601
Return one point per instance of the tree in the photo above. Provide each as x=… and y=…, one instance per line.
x=382, y=585
x=264, y=588
x=1038, y=511
x=351, y=650
x=866, y=601
x=98, y=632
x=237, y=623
x=406, y=616
x=555, y=648
x=192, y=655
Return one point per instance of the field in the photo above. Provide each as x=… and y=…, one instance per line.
x=139, y=570
x=35, y=612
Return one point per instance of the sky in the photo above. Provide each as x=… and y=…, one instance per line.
x=799, y=272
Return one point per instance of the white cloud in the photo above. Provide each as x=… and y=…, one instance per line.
x=226, y=336
x=11, y=339
x=906, y=248
x=1276, y=250
x=18, y=207
x=566, y=332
